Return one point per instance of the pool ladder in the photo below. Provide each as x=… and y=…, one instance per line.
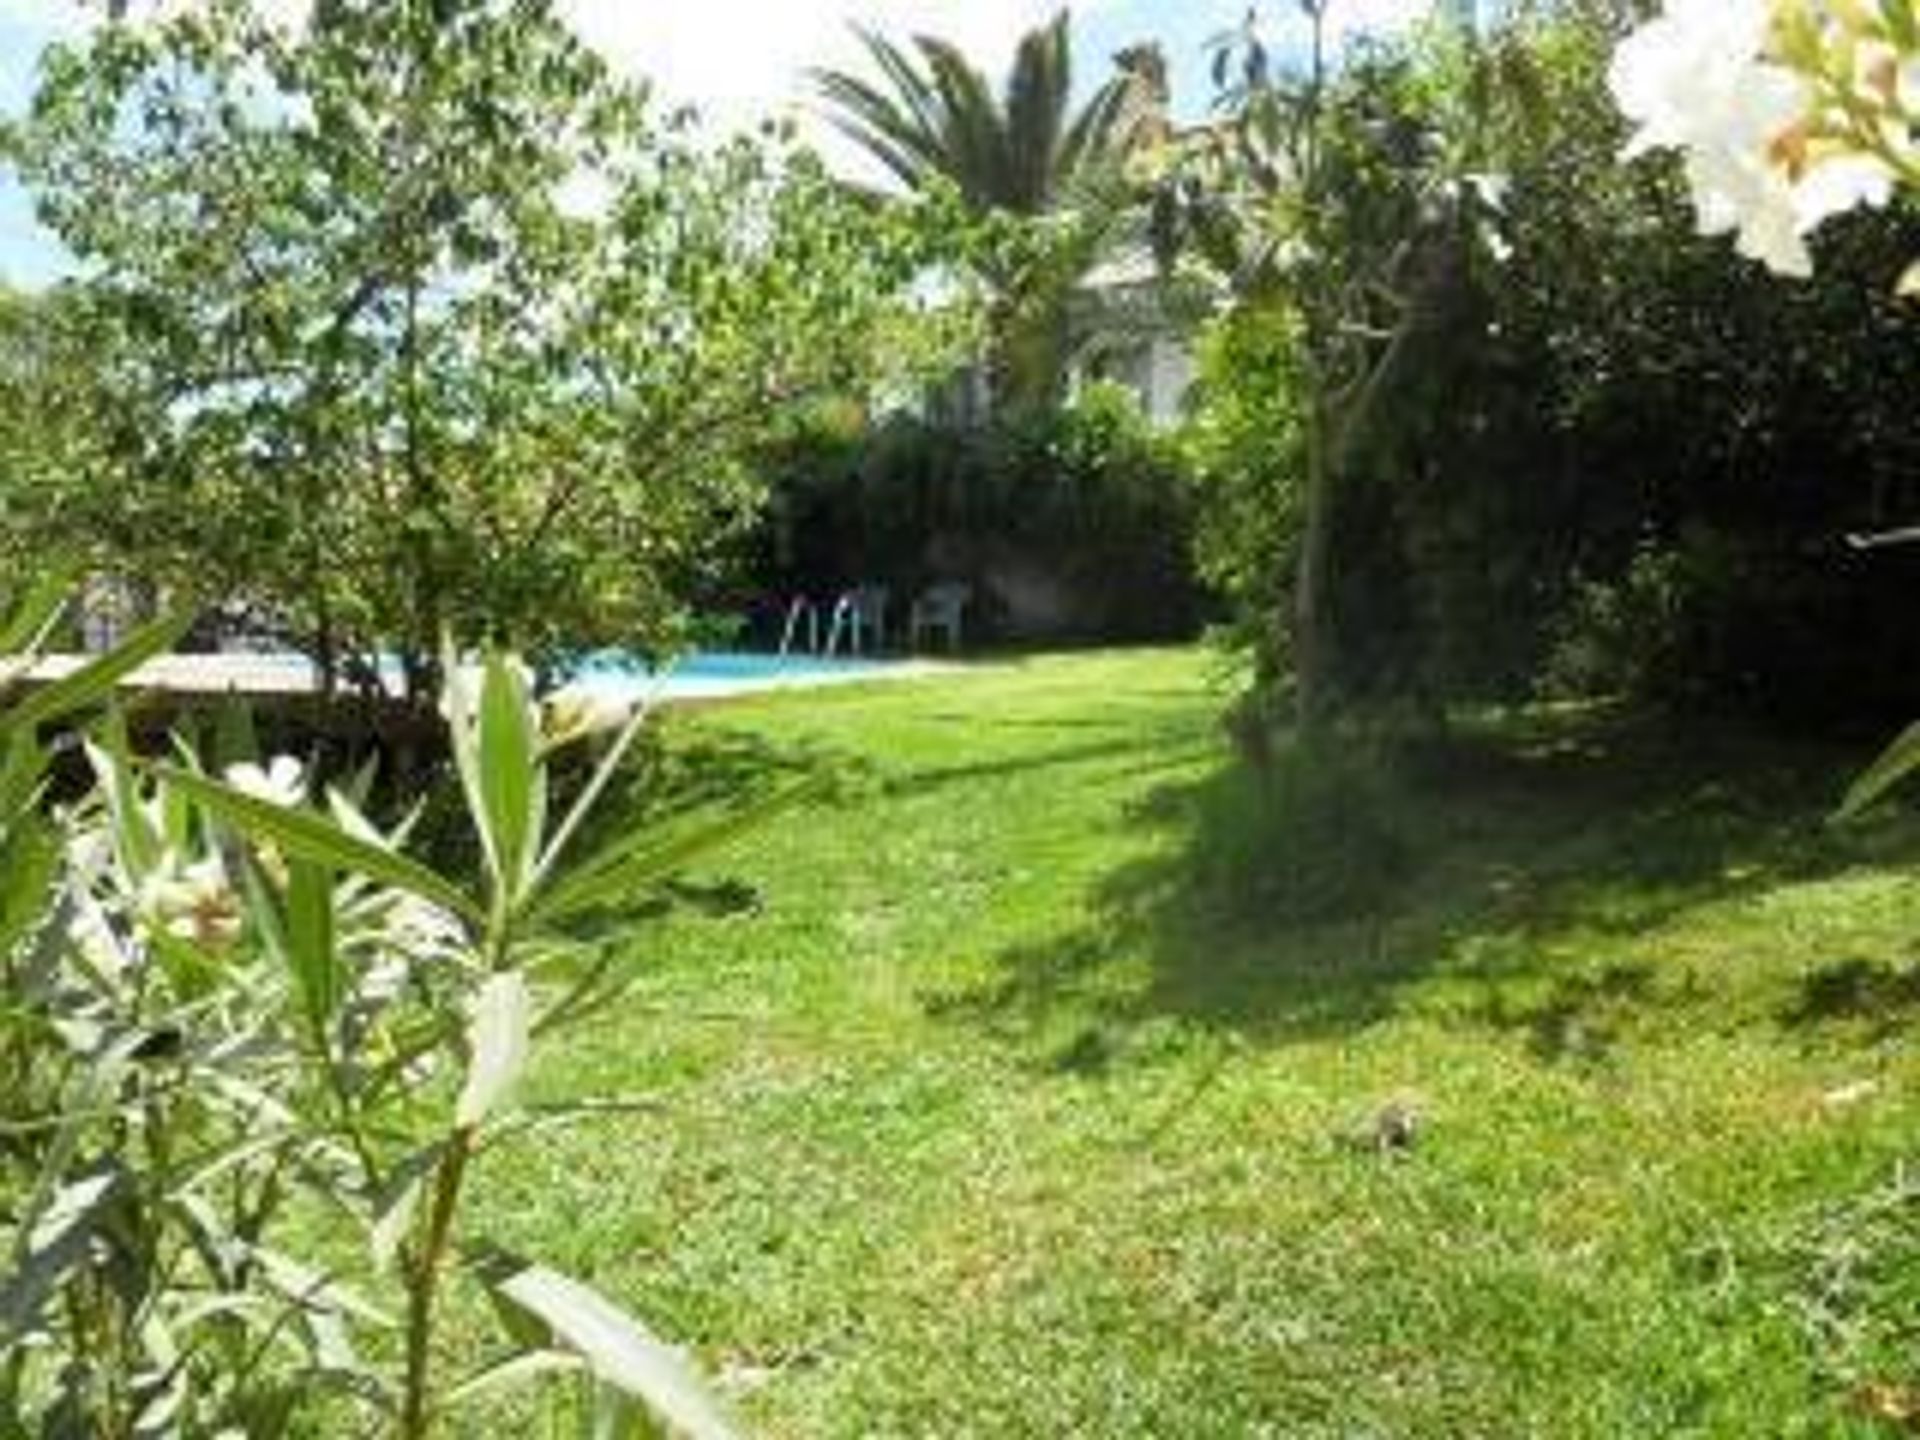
x=848, y=620
x=803, y=609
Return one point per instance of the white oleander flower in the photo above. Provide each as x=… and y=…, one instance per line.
x=282, y=781
x=1694, y=79
x=1839, y=183
x=1676, y=76
x=576, y=711
x=192, y=902
x=1760, y=154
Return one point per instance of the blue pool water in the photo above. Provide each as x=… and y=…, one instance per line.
x=737, y=665
x=713, y=673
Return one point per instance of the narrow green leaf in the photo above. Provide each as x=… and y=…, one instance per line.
x=136, y=840
x=23, y=773
x=617, y=1348
x=308, y=836
x=316, y=1289
x=1895, y=763
x=56, y=1241
x=511, y=789
x=589, y=797
x=630, y=866
x=461, y=705
x=97, y=678
x=513, y=1371
x=26, y=628
x=398, y=1201
x=235, y=740
x=498, y=1029
x=30, y=863
x=311, y=947
x=614, y=1415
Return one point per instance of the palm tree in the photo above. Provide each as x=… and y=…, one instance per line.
x=939, y=118
x=934, y=118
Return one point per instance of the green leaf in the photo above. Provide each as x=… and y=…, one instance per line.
x=399, y=1200
x=30, y=865
x=627, y=867
x=55, y=1243
x=136, y=841
x=589, y=797
x=498, y=1029
x=461, y=706
x=305, y=835
x=611, y=1415
x=26, y=628
x=311, y=947
x=1907, y=287
x=513, y=1371
x=617, y=1348
x=23, y=773
x=303, y=1282
x=512, y=782
x=97, y=678
x=1895, y=763
x=235, y=740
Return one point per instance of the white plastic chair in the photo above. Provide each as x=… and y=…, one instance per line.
x=940, y=610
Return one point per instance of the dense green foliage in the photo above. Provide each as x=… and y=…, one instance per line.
x=1598, y=452
x=1070, y=523
x=233, y=1159
x=418, y=320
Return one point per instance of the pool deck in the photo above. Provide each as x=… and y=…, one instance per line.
x=188, y=678
x=253, y=677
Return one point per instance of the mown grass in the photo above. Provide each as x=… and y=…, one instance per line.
x=997, y=1096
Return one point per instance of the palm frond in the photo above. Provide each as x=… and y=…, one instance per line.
x=975, y=130
x=932, y=113
x=1038, y=90
x=871, y=120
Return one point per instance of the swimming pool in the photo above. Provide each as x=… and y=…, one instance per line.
x=718, y=674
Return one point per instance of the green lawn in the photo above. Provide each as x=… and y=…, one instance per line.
x=985, y=1109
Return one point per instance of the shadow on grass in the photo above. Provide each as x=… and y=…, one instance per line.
x=673, y=789
x=1883, y=996
x=1505, y=862
x=1164, y=748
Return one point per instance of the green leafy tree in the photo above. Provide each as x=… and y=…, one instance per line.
x=1334, y=204
x=417, y=319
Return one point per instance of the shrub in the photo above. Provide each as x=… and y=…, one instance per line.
x=234, y=1018
x=1076, y=523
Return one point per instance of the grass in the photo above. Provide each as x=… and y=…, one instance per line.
x=989, y=1103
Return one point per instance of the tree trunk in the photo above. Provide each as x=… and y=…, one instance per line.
x=1309, y=621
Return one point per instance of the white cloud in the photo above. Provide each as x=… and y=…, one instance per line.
x=742, y=61
x=1345, y=17
x=739, y=59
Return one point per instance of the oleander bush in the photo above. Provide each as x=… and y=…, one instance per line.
x=255, y=1051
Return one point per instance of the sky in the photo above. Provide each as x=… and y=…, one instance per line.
x=740, y=60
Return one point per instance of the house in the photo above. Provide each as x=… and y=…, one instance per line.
x=1133, y=323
